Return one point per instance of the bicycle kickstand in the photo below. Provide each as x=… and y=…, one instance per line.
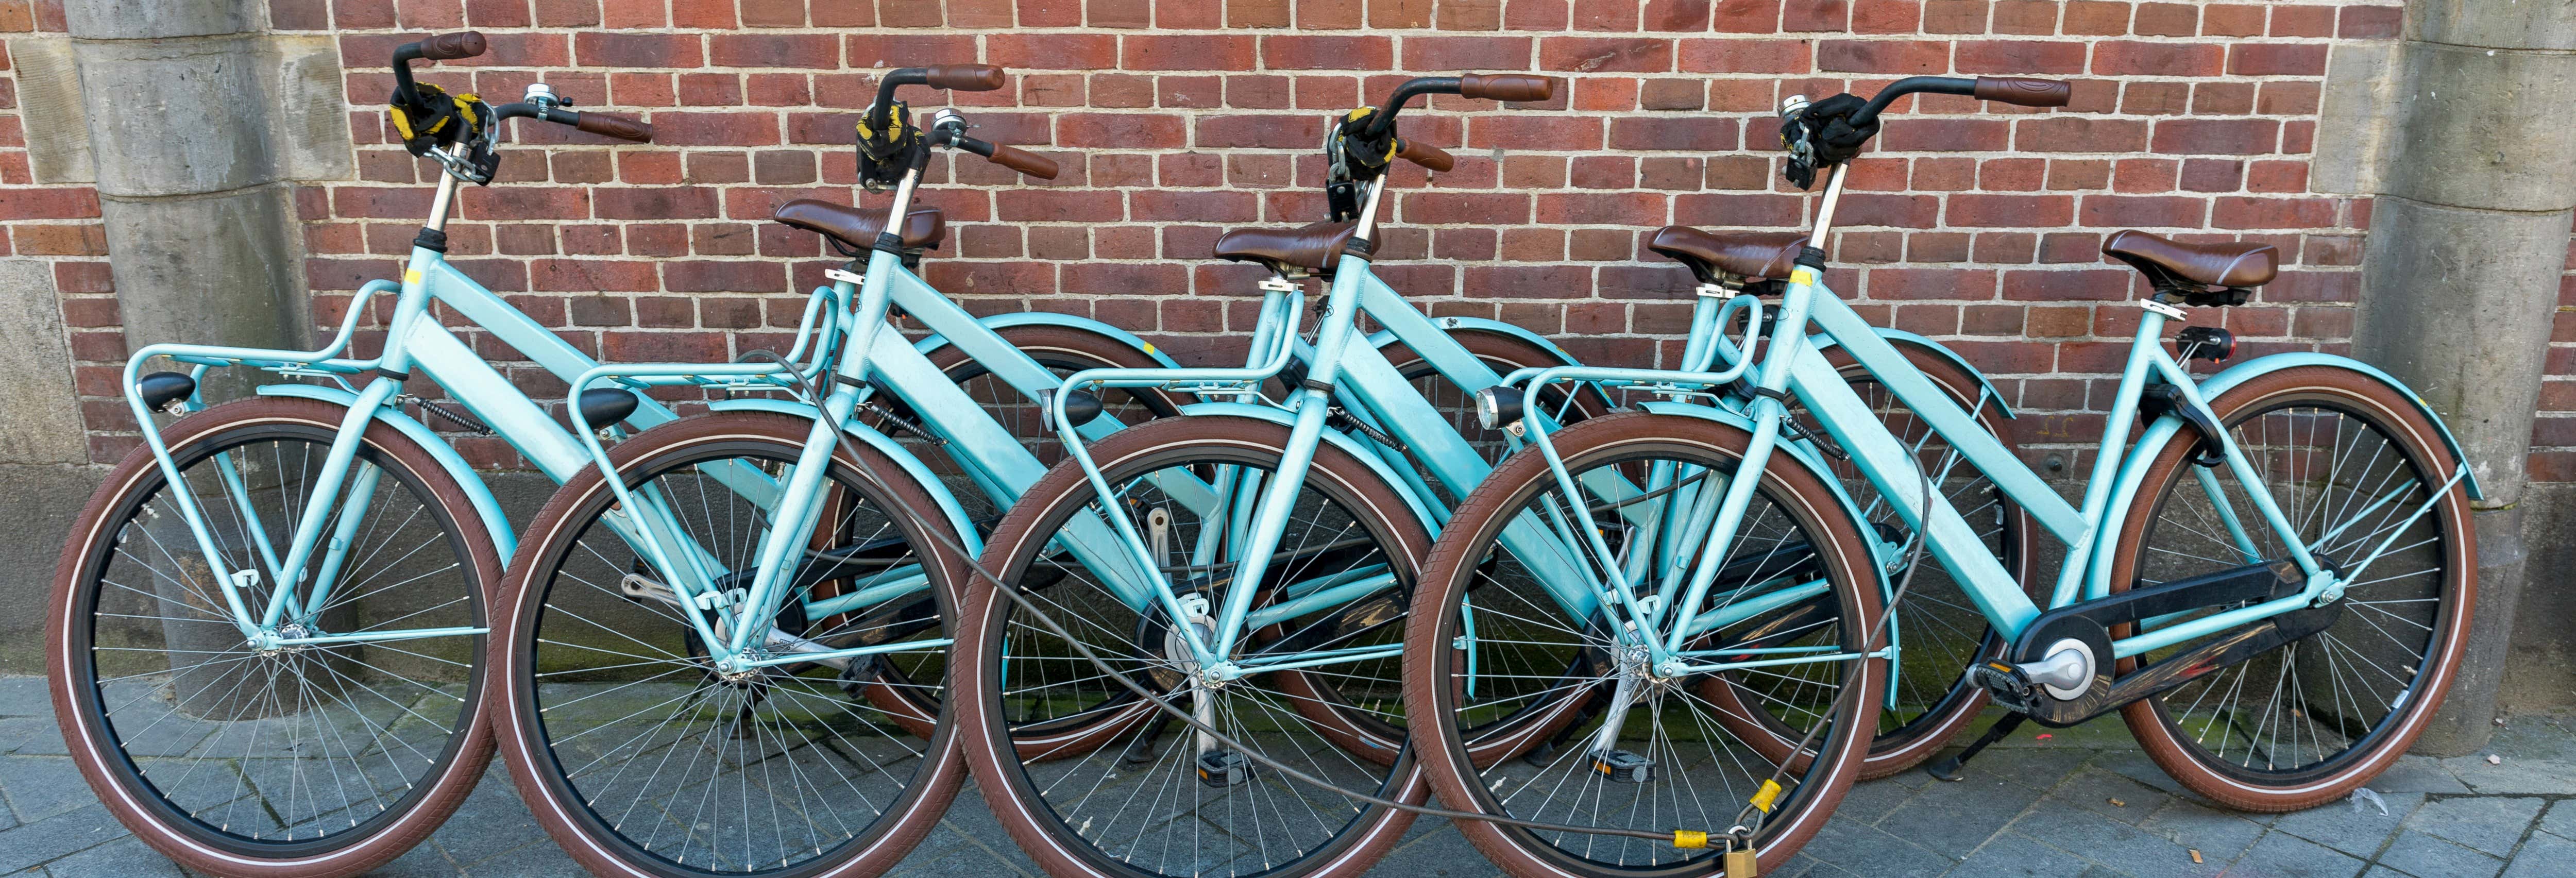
x=1948, y=768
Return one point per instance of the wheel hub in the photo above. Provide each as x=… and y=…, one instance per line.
x=272, y=643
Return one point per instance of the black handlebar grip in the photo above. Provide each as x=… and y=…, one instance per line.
x=1520, y=87
x=2022, y=91
x=620, y=127
x=461, y=44
x=1023, y=161
x=1426, y=155
x=963, y=77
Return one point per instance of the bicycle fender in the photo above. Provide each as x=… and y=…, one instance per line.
x=1345, y=443
x=911, y=463
x=1382, y=338
x=1823, y=343
x=2239, y=373
x=1049, y=318
x=2156, y=433
x=505, y=538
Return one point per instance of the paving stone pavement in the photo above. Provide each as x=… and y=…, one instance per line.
x=2081, y=802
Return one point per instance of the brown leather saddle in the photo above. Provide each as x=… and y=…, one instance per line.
x=1313, y=248
x=2194, y=269
x=1730, y=258
x=855, y=229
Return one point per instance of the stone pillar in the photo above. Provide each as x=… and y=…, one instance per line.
x=196, y=121
x=192, y=121
x=2469, y=233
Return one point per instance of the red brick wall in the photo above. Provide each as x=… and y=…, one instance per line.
x=1175, y=119
x=59, y=224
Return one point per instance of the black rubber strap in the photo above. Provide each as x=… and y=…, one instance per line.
x=1781, y=396
x=1316, y=384
x=399, y=377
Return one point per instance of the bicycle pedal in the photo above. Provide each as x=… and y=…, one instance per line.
x=1224, y=768
x=2007, y=684
x=1621, y=766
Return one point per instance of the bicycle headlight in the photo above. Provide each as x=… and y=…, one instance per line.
x=1498, y=407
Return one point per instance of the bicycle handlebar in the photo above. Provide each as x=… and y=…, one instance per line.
x=620, y=127
x=1497, y=87
x=1507, y=87
x=2023, y=91
x=1424, y=154
x=1011, y=157
x=443, y=47
x=1999, y=89
x=953, y=77
x=962, y=77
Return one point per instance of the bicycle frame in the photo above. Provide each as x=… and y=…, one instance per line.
x=1345, y=371
x=870, y=359
x=414, y=342
x=1791, y=366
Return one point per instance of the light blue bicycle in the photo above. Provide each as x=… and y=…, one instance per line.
x=268, y=624
x=730, y=657
x=1253, y=560
x=2273, y=582
x=324, y=727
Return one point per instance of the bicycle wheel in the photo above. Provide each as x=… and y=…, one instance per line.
x=1939, y=627
x=1062, y=350
x=323, y=759
x=637, y=755
x=1651, y=753
x=1143, y=796
x=2352, y=462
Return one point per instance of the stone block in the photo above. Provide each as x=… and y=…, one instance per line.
x=175, y=117
x=2471, y=23
x=40, y=420
x=160, y=19
x=2457, y=303
x=49, y=105
x=2470, y=138
x=209, y=270
x=2357, y=119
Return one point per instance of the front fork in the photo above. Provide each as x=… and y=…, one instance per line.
x=284, y=574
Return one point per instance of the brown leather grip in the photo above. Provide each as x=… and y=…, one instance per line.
x=1507, y=86
x=461, y=44
x=963, y=77
x=618, y=127
x=1426, y=155
x=1024, y=161
x=2022, y=91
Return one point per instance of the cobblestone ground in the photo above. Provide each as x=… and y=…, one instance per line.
x=2080, y=802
